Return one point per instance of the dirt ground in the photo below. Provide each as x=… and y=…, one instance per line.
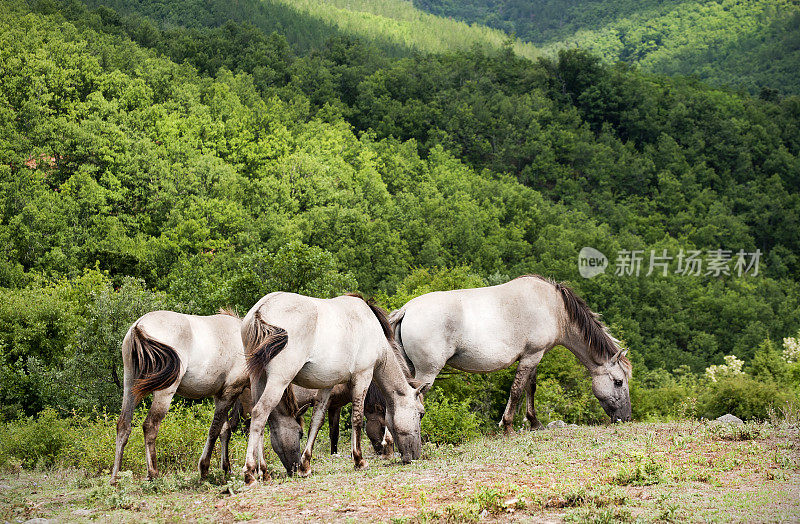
x=637, y=472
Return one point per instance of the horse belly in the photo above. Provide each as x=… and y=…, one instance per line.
x=483, y=360
x=321, y=375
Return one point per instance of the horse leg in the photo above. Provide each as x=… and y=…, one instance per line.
x=224, y=438
x=257, y=385
x=524, y=370
x=158, y=410
x=123, y=426
x=221, y=408
x=359, y=387
x=269, y=398
x=530, y=391
x=317, y=418
x=334, y=414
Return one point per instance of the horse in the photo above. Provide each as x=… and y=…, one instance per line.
x=487, y=329
x=196, y=357
x=317, y=344
x=374, y=415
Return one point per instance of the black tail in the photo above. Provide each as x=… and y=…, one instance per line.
x=156, y=365
x=262, y=342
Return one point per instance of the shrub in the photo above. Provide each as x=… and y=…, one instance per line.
x=88, y=442
x=35, y=441
x=742, y=396
x=447, y=421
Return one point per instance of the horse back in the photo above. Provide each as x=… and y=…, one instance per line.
x=329, y=339
x=481, y=329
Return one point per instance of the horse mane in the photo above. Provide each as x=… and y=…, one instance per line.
x=229, y=311
x=388, y=332
x=374, y=401
x=262, y=341
x=602, y=345
x=156, y=365
x=288, y=399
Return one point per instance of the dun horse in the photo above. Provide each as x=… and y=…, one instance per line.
x=487, y=329
x=196, y=357
x=319, y=343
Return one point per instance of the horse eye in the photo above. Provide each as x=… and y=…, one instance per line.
x=618, y=383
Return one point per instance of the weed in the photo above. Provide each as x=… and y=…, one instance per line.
x=595, y=515
x=669, y=510
x=243, y=515
x=738, y=432
x=460, y=512
x=645, y=472
x=113, y=497
x=488, y=499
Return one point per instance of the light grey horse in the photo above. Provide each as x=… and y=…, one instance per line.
x=317, y=344
x=487, y=329
x=196, y=357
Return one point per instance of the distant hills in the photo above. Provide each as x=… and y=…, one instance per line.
x=750, y=44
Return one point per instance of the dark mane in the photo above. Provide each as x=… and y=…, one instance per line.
x=374, y=402
x=288, y=399
x=388, y=332
x=601, y=344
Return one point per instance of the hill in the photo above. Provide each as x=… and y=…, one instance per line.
x=744, y=44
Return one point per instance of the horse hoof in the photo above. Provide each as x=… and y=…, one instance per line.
x=361, y=464
x=249, y=478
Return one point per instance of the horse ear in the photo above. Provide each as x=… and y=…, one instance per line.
x=613, y=360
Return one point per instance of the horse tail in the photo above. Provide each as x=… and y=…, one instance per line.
x=262, y=341
x=600, y=342
x=156, y=365
x=395, y=320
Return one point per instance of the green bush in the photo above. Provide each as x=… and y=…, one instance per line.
x=88, y=442
x=34, y=442
x=447, y=421
x=745, y=397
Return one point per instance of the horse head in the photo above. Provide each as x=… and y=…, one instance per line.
x=403, y=418
x=610, y=386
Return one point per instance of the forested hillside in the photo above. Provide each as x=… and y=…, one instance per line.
x=750, y=44
x=148, y=164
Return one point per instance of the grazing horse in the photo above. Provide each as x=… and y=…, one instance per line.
x=196, y=357
x=341, y=395
x=487, y=329
x=317, y=344
x=374, y=415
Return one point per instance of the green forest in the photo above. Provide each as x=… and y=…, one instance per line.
x=192, y=155
x=746, y=44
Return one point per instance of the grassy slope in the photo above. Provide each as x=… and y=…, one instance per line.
x=398, y=22
x=647, y=472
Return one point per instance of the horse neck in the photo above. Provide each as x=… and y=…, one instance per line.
x=572, y=339
x=389, y=376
